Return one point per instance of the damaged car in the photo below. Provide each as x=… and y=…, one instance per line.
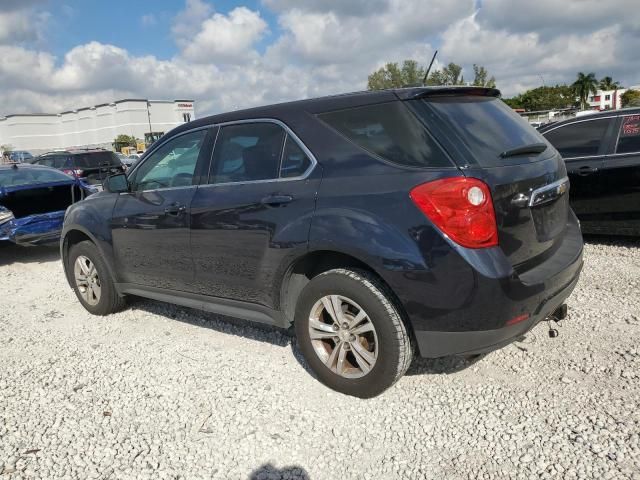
x=33, y=201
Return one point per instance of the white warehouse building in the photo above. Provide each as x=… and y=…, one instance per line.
x=94, y=127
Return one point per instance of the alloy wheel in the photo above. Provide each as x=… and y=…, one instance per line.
x=343, y=336
x=87, y=280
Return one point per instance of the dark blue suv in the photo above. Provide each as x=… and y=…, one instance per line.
x=379, y=224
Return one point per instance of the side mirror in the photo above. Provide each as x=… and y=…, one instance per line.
x=117, y=183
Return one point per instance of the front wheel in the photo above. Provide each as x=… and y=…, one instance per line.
x=351, y=333
x=91, y=280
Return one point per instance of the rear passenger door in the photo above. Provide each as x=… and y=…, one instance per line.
x=583, y=145
x=253, y=215
x=620, y=178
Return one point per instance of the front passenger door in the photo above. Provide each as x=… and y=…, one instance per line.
x=150, y=224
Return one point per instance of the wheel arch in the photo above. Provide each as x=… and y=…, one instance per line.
x=74, y=235
x=313, y=263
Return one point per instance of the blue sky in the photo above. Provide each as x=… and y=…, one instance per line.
x=141, y=26
x=228, y=54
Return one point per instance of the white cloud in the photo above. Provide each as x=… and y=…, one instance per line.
x=318, y=47
x=21, y=22
x=557, y=18
x=521, y=60
x=226, y=38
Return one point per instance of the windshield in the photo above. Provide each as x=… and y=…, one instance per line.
x=13, y=177
x=484, y=126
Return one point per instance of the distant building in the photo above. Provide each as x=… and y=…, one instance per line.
x=94, y=126
x=608, y=99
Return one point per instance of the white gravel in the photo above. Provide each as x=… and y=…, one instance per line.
x=164, y=392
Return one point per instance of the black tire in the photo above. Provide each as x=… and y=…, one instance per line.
x=109, y=301
x=395, y=349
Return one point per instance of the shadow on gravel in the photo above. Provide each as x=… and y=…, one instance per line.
x=279, y=337
x=230, y=325
x=445, y=365
x=219, y=323
x=269, y=472
x=11, y=253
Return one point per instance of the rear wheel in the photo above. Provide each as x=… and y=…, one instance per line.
x=351, y=332
x=91, y=280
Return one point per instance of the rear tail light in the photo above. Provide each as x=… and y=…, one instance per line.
x=75, y=173
x=462, y=208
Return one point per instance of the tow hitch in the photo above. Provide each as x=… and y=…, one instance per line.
x=558, y=315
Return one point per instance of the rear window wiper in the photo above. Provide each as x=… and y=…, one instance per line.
x=532, y=148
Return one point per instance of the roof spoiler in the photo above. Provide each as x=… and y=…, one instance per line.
x=448, y=91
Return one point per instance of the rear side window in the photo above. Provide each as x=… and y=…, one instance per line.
x=47, y=161
x=294, y=161
x=581, y=139
x=629, y=136
x=484, y=126
x=248, y=152
x=95, y=160
x=391, y=131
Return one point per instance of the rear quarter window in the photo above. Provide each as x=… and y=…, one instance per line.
x=390, y=131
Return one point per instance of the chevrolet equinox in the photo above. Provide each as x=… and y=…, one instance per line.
x=380, y=225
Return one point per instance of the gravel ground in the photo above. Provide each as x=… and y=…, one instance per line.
x=164, y=392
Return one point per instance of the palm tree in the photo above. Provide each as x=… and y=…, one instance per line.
x=607, y=83
x=583, y=86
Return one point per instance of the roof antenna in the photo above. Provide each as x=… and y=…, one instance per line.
x=424, y=80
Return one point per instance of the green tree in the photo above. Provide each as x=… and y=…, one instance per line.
x=450, y=74
x=124, y=141
x=584, y=85
x=544, y=98
x=394, y=76
x=630, y=98
x=607, y=83
x=480, y=75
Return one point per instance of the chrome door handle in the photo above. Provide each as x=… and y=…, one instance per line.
x=275, y=200
x=584, y=171
x=175, y=209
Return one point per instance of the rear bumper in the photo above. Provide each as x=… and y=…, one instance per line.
x=434, y=344
x=474, y=315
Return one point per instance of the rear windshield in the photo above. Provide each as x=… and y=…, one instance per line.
x=391, y=131
x=485, y=126
x=13, y=177
x=95, y=159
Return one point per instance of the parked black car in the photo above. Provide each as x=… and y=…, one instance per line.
x=92, y=166
x=602, y=154
x=373, y=222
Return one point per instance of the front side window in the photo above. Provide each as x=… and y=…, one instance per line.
x=580, y=139
x=629, y=135
x=390, y=131
x=172, y=165
x=247, y=152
